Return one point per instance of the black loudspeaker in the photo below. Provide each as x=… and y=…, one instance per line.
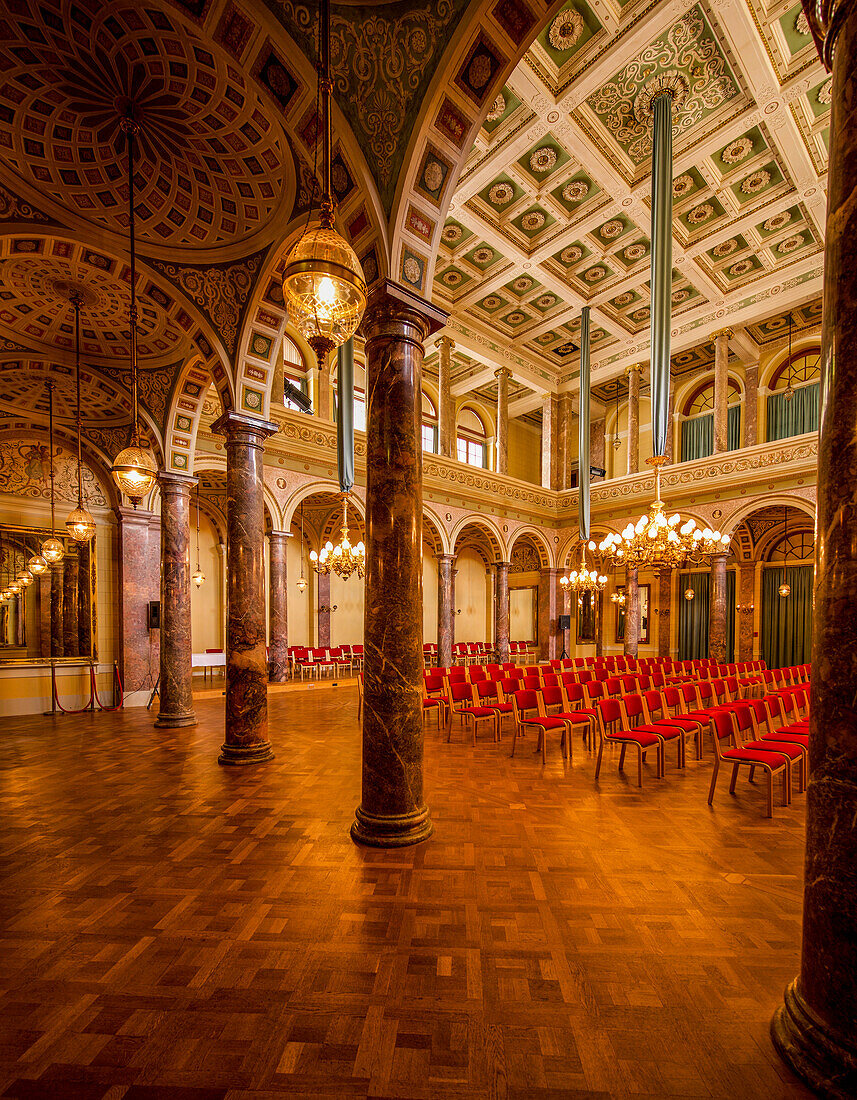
x=153, y=615
x=565, y=622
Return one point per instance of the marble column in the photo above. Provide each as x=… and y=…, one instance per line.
x=323, y=616
x=664, y=611
x=325, y=395
x=717, y=612
x=565, y=445
x=70, y=610
x=565, y=597
x=501, y=611
x=84, y=600
x=632, y=612
x=721, y=389
x=550, y=440
x=746, y=624
x=20, y=617
x=57, y=634
x=445, y=409
x=503, y=375
x=816, y=1028
x=670, y=427
x=445, y=609
x=633, y=373
x=393, y=811
x=750, y=408
x=176, y=688
x=246, y=661
x=599, y=624
x=548, y=613
x=43, y=612
x=597, y=445
x=139, y=555
x=278, y=607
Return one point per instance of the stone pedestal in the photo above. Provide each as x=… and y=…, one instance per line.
x=550, y=440
x=501, y=610
x=445, y=608
x=632, y=612
x=502, y=377
x=717, y=613
x=664, y=611
x=445, y=408
x=323, y=610
x=176, y=688
x=721, y=389
x=816, y=1029
x=246, y=661
x=139, y=583
x=746, y=616
x=548, y=613
x=70, y=613
x=634, y=373
x=278, y=607
x=393, y=812
x=57, y=634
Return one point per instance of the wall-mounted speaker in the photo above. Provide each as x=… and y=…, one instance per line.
x=564, y=622
x=153, y=615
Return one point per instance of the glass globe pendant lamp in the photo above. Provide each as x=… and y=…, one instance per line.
x=785, y=589
x=80, y=524
x=134, y=470
x=24, y=578
x=323, y=284
x=37, y=565
x=52, y=549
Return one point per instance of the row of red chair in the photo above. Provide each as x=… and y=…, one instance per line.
x=313, y=661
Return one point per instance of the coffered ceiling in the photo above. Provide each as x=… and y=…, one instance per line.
x=553, y=208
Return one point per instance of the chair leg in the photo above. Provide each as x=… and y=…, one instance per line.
x=544, y=746
x=598, y=761
x=770, y=791
x=639, y=766
x=786, y=787
x=714, y=778
x=622, y=759
x=514, y=739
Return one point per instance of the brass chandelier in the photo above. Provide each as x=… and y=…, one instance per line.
x=658, y=541
x=583, y=580
x=342, y=559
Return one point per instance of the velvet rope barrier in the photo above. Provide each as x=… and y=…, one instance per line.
x=56, y=698
x=118, y=690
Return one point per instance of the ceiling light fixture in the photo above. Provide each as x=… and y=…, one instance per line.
x=301, y=581
x=785, y=589
x=343, y=559
x=584, y=580
x=52, y=548
x=134, y=468
x=199, y=577
x=323, y=284
x=80, y=524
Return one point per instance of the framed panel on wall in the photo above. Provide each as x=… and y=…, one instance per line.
x=586, y=620
x=524, y=613
x=643, y=637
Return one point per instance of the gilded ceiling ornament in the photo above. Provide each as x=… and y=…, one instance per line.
x=522, y=284
x=452, y=277
x=515, y=318
x=682, y=185
x=679, y=296
x=700, y=214
x=433, y=176
x=491, y=302
x=641, y=314
x=802, y=24
x=777, y=221
x=672, y=83
x=532, y=221
x=741, y=267
x=501, y=193
x=825, y=92
x=542, y=160
x=571, y=254
x=483, y=255
x=612, y=229
x=756, y=181
x=13, y=208
x=546, y=301
x=594, y=274
x=790, y=243
x=451, y=234
x=497, y=108
x=411, y=269
x=634, y=252
x=575, y=190
x=566, y=30
x=737, y=151
x=623, y=299
x=725, y=248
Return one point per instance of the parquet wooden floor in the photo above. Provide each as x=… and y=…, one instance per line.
x=175, y=930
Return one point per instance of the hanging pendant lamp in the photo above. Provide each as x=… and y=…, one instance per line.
x=199, y=577
x=52, y=548
x=302, y=581
x=785, y=589
x=790, y=388
x=134, y=468
x=80, y=524
x=617, y=443
x=323, y=284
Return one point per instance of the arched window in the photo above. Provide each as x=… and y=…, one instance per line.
x=470, y=438
x=697, y=429
x=796, y=546
x=294, y=373
x=429, y=425
x=793, y=402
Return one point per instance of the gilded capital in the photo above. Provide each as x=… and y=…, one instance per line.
x=445, y=343
x=503, y=372
x=727, y=332
x=634, y=366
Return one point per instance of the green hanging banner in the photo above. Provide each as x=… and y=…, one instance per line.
x=662, y=266
x=345, y=415
x=583, y=471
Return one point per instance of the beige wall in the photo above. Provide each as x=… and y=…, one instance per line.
x=473, y=597
x=523, y=611
x=429, y=596
x=208, y=613
x=525, y=452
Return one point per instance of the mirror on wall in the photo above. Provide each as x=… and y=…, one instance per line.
x=54, y=616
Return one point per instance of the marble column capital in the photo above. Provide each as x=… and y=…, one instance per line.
x=723, y=333
x=502, y=372
x=719, y=559
x=445, y=559
x=280, y=535
x=638, y=367
x=395, y=311
x=170, y=482
x=130, y=517
x=551, y=570
x=240, y=428
x=501, y=564
x=446, y=343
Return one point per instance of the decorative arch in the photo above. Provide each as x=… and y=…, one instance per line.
x=694, y=399
x=745, y=510
x=803, y=367
x=480, y=535
x=308, y=489
x=434, y=534
x=536, y=539
x=193, y=384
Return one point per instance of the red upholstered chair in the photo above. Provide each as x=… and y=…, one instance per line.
x=528, y=708
x=550, y=679
x=457, y=672
x=658, y=710
x=476, y=673
x=634, y=718
x=795, y=746
x=434, y=697
x=460, y=696
x=612, y=730
x=575, y=706
x=725, y=752
x=486, y=700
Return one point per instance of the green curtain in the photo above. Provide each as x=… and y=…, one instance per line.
x=787, y=620
x=787, y=418
x=697, y=437
x=693, y=616
x=733, y=428
x=730, y=615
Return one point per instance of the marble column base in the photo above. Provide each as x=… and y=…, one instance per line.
x=825, y=1060
x=173, y=721
x=391, y=831
x=255, y=753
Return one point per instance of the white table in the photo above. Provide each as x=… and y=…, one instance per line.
x=207, y=661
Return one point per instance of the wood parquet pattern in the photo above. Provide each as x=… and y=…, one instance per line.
x=175, y=930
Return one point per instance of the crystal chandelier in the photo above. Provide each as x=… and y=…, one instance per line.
x=343, y=559
x=583, y=580
x=658, y=541
x=323, y=284
x=52, y=548
x=134, y=468
x=80, y=524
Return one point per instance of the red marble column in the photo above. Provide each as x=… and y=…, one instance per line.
x=278, y=607
x=43, y=585
x=598, y=446
x=599, y=624
x=323, y=615
x=70, y=644
x=717, y=612
x=246, y=661
x=632, y=612
x=548, y=613
x=721, y=388
x=565, y=597
x=634, y=373
x=565, y=442
x=57, y=635
x=750, y=407
x=664, y=611
x=815, y=1030
x=550, y=441
x=84, y=600
x=501, y=610
x=746, y=616
x=393, y=811
x=503, y=375
x=138, y=552
x=445, y=406
x=176, y=686
x=445, y=608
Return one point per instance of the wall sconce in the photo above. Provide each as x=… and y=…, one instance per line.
x=689, y=593
x=325, y=608
x=747, y=609
x=458, y=612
